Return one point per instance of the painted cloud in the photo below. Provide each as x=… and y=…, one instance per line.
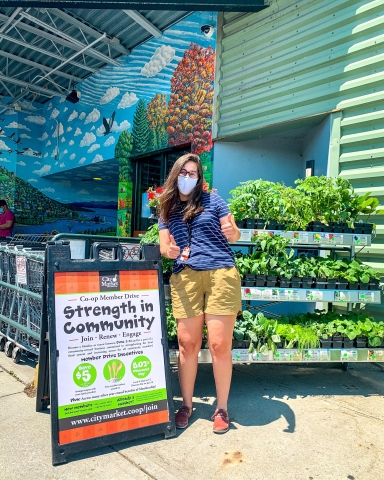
x=43, y=170
x=17, y=125
x=109, y=95
x=24, y=135
x=94, y=147
x=162, y=57
x=110, y=141
x=93, y=116
x=98, y=158
x=55, y=113
x=73, y=156
x=72, y=116
x=71, y=142
x=82, y=115
x=38, y=119
x=128, y=100
x=88, y=138
x=78, y=132
x=43, y=137
x=59, y=130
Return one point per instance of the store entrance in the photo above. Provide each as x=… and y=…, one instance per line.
x=150, y=171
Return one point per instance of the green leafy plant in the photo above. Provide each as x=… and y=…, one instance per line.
x=263, y=335
x=171, y=323
x=151, y=235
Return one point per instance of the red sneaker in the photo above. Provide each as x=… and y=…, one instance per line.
x=220, y=421
x=182, y=416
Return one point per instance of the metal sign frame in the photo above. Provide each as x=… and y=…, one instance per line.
x=58, y=261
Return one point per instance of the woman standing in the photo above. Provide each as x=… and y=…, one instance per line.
x=195, y=228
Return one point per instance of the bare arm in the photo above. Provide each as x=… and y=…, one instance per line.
x=7, y=224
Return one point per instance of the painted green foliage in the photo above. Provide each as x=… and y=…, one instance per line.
x=140, y=129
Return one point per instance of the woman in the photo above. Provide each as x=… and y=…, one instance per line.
x=195, y=228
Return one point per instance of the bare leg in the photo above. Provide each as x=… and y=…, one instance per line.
x=220, y=331
x=189, y=333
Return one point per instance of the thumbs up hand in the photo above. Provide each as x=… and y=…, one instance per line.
x=227, y=227
x=173, y=250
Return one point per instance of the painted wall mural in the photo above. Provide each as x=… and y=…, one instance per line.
x=158, y=97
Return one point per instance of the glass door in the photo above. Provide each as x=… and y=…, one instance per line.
x=149, y=171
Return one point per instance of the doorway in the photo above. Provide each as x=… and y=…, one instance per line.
x=150, y=171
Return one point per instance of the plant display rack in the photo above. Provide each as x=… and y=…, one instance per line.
x=309, y=238
x=291, y=355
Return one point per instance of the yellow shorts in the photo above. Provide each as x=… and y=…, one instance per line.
x=217, y=292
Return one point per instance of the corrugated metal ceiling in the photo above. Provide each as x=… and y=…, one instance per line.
x=33, y=41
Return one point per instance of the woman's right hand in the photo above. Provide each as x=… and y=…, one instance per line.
x=173, y=250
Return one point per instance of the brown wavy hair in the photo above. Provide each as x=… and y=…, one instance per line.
x=170, y=195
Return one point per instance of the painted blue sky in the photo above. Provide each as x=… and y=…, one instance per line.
x=72, y=135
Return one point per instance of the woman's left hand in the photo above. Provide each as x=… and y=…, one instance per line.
x=227, y=227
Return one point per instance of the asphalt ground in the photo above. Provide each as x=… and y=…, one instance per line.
x=299, y=422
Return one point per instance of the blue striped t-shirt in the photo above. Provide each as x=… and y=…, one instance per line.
x=209, y=247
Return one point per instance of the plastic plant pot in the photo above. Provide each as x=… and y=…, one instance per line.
x=260, y=280
x=309, y=227
x=307, y=282
x=321, y=283
x=337, y=229
x=240, y=223
x=373, y=284
x=271, y=280
x=272, y=225
x=250, y=223
x=326, y=343
x=259, y=223
x=347, y=343
x=337, y=341
x=332, y=284
x=347, y=229
x=150, y=251
x=285, y=282
x=361, y=342
x=281, y=226
x=359, y=229
x=368, y=227
x=354, y=286
x=296, y=282
x=318, y=227
x=343, y=284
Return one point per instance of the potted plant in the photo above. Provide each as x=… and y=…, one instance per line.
x=153, y=195
x=149, y=243
x=263, y=335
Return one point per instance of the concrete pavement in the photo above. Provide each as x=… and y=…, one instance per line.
x=289, y=422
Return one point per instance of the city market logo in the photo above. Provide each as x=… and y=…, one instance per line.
x=109, y=281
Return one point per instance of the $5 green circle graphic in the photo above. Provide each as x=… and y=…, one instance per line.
x=84, y=375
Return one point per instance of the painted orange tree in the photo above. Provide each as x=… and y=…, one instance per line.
x=157, y=115
x=191, y=99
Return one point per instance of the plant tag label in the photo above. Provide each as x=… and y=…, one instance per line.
x=366, y=297
x=269, y=293
x=314, y=296
x=342, y=296
x=349, y=354
x=246, y=235
x=329, y=238
x=173, y=356
x=252, y=293
x=240, y=355
x=312, y=355
x=287, y=355
x=301, y=237
x=360, y=240
x=376, y=355
x=324, y=355
x=259, y=357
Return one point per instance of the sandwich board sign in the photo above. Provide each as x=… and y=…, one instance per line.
x=109, y=364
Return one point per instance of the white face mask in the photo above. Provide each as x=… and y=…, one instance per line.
x=186, y=184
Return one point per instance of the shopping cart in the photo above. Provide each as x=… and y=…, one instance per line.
x=21, y=293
